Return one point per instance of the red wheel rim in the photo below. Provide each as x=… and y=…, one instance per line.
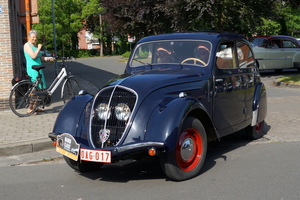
x=258, y=127
x=189, y=150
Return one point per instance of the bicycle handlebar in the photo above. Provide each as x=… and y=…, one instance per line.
x=65, y=58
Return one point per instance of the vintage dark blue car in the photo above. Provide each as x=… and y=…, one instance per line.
x=178, y=92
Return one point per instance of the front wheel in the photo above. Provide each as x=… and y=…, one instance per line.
x=186, y=160
x=255, y=132
x=70, y=89
x=20, y=99
x=83, y=166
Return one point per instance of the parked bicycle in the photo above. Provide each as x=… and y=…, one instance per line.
x=26, y=94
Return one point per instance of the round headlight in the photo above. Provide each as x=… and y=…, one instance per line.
x=103, y=111
x=122, y=112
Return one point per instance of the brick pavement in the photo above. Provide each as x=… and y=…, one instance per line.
x=20, y=135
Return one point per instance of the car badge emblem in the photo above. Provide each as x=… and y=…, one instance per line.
x=104, y=135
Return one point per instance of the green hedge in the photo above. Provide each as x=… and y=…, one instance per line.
x=80, y=53
x=126, y=54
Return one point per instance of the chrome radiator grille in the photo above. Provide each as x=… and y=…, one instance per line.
x=111, y=97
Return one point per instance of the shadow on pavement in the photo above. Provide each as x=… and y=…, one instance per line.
x=132, y=170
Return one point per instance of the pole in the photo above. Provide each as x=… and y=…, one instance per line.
x=28, y=17
x=101, y=36
x=54, y=34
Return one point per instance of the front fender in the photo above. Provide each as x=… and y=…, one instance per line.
x=165, y=120
x=259, y=106
x=68, y=118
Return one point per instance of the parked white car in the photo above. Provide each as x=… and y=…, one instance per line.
x=276, y=52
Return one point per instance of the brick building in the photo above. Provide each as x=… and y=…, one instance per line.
x=86, y=40
x=10, y=46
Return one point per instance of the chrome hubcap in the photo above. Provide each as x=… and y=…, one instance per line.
x=187, y=150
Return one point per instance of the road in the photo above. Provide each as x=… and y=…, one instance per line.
x=235, y=168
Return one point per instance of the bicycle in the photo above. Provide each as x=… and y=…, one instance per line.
x=26, y=94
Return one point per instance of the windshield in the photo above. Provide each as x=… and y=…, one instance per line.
x=194, y=52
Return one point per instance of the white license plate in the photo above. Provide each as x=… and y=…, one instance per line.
x=95, y=155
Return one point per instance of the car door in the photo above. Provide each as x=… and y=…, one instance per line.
x=247, y=68
x=290, y=48
x=275, y=54
x=229, y=96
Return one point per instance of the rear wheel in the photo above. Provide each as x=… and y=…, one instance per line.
x=20, y=100
x=186, y=160
x=255, y=132
x=83, y=166
x=70, y=89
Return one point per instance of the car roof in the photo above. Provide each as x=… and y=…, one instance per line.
x=203, y=35
x=273, y=36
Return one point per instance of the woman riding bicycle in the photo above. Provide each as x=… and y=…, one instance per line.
x=34, y=57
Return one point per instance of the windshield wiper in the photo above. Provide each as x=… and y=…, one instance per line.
x=142, y=62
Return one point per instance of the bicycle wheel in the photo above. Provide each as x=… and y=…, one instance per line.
x=70, y=89
x=20, y=99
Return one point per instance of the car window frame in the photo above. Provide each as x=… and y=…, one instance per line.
x=252, y=63
x=154, y=57
x=295, y=45
x=233, y=53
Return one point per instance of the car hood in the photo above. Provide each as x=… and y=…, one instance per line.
x=151, y=80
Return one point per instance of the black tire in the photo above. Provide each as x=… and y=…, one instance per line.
x=83, y=166
x=20, y=99
x=70, y=89
x=185, y=163
x=255, y=132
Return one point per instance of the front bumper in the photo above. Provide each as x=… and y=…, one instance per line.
x=127, y=151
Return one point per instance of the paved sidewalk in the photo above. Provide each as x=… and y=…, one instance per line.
x=21, y=135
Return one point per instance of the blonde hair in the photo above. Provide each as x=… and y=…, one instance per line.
x=32, y=32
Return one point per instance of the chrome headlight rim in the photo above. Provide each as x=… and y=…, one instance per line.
x=103, y=112
x=122, y=111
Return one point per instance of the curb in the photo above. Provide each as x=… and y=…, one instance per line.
x=26, y=147
x=282, y=84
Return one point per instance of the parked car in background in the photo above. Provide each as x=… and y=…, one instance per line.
x=276, y=52
x=48, y=53
x=178, y=92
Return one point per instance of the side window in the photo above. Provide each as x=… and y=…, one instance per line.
x=245, y=56
x=274, y=44
x=289, y=44
x=225, y=56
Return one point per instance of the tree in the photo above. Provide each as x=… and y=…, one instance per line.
x=161, y=16
x=91, y=12
x=67, y=22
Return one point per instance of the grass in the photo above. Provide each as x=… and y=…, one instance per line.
x=295, y=79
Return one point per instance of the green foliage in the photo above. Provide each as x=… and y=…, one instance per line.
x=67, y=22
x=108, y=19
x=295, y=79
x=79, y=53
x=144, y=54
x=126, y=54
x=269, y=27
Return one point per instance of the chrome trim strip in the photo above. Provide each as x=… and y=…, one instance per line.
x=254, y=117
x=139, y=145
